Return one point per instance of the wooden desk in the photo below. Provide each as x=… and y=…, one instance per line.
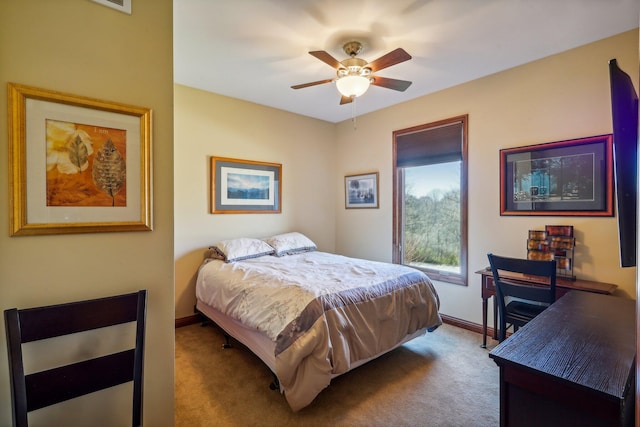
x=563, y=286
x=571, y=365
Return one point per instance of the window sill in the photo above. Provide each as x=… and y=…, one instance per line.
x=440, y=276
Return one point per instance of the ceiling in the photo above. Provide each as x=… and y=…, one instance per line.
x=255, y=50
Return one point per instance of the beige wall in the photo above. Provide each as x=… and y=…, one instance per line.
x=560, y=97
x=84, y=48
x=208, y=124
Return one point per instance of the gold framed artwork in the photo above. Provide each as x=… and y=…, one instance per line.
x=245, y=186
x=77, y=164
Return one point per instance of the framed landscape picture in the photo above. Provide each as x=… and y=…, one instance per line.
x=563, y=178
x=361, y=191
x=245, y=186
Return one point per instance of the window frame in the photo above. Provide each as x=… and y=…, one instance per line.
x=398, y=202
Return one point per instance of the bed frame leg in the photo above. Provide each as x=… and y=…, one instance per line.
x=275, y=384
x=227, y=343
x=204, y=320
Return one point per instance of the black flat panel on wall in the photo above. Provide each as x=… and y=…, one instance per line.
x=624, y=112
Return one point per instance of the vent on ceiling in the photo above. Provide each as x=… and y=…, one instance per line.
x=121, y=5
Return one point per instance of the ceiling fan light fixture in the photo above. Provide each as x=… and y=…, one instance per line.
x=355, y=75
x=352, y=86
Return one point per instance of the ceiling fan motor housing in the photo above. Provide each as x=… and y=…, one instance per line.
x=352, y=48
x=353, y=67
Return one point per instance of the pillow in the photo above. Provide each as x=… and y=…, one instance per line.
x=290, y=243
x=214, y=253
x=242, y=248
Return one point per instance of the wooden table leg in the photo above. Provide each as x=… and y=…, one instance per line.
x=495, y=319
x=484, y=323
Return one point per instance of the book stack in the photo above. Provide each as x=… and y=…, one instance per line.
x=554, y=242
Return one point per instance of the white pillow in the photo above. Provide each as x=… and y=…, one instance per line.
x=242, y=248
x=290, y=243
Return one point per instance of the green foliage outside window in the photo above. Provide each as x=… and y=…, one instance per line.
x=432, y=229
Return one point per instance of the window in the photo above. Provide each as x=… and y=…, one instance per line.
x=430, y=199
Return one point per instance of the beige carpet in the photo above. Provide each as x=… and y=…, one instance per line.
x=441, y=379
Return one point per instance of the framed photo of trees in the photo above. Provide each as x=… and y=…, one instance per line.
x=563, y=178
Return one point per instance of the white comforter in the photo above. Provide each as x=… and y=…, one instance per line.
x=239, y=289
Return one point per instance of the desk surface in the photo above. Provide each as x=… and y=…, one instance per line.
x=583, y=339
x=578, y=284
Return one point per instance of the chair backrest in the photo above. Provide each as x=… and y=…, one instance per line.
x=38, y=390
x=544, y=293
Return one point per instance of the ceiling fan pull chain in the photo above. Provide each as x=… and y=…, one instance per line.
x=353, y=112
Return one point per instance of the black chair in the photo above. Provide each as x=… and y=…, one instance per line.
x=41, y=389
x=518, y=302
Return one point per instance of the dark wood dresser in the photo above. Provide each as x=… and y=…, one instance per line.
x=572, y=365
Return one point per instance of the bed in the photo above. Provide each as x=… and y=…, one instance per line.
x=310, y=315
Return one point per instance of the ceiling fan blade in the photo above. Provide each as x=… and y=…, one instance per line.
x=345, y=100
x=326, y=58
x=392, y=58
x=319, y=82
x=394, y=84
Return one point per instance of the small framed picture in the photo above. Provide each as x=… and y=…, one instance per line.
x=361, y=191
x=120, y=5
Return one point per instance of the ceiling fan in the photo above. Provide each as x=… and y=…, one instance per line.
x=355, y=74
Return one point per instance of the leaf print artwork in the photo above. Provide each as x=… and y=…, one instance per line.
x=68, y=147
x=109, y=172
x=86, y=165
x=78, y=154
